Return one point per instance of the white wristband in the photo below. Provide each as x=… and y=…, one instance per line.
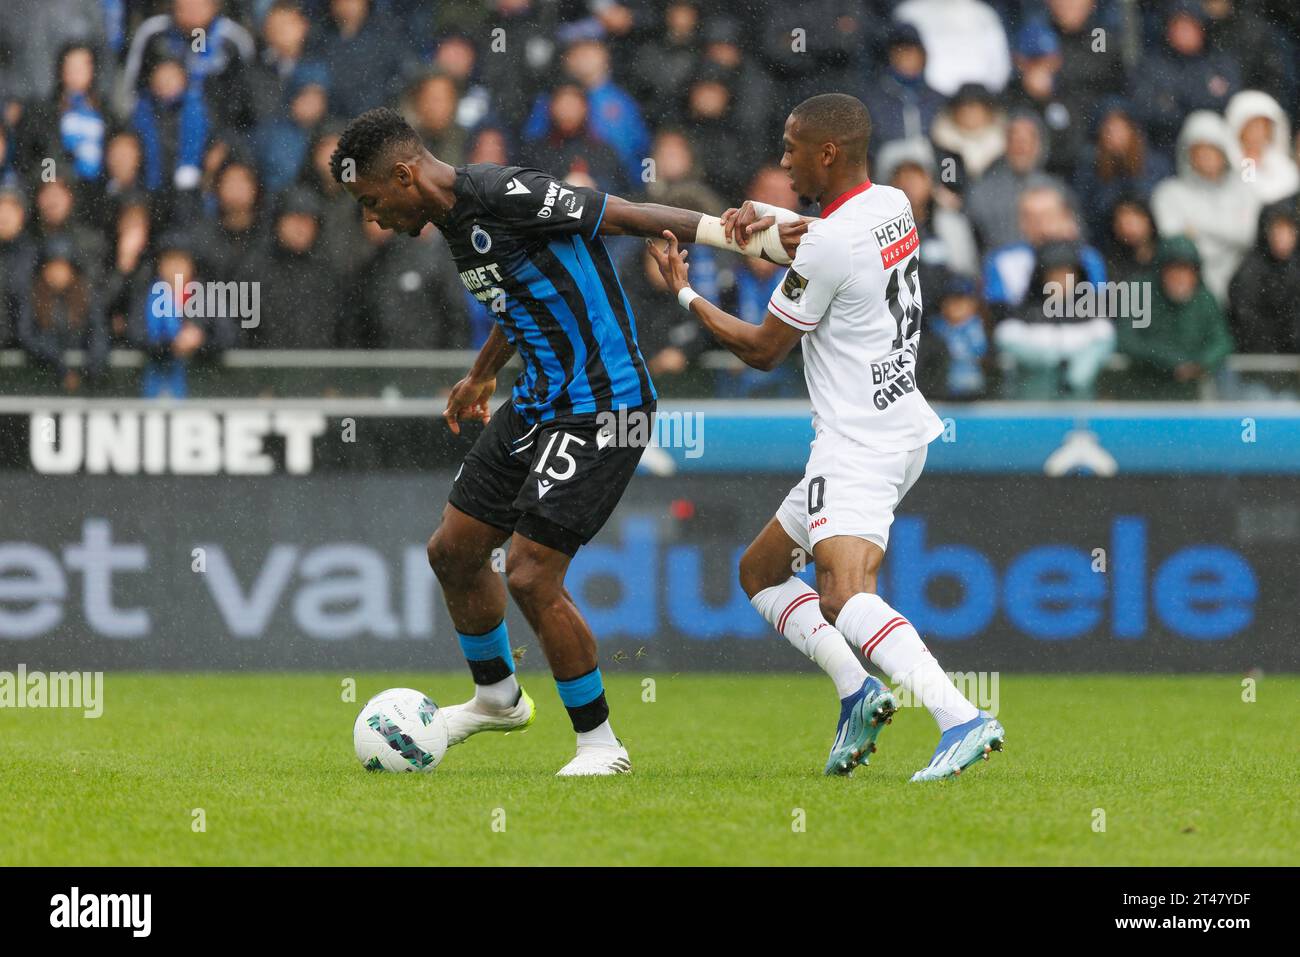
x=686, y=296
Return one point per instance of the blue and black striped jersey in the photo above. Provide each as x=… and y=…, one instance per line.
x=526, y=245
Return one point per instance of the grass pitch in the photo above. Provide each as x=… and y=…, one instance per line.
x=727, y=768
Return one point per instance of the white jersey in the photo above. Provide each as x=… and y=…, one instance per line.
x=853, y=288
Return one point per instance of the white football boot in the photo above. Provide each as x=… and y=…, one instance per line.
x=471, y=718
x=597, y=760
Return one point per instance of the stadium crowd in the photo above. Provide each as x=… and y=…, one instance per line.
x=1047, y=147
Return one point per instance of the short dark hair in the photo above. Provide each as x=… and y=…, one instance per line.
x=370, y=138
x=837, y=118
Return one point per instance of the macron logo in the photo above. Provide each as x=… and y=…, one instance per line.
x=543, y=487
x=102, y=910
x=516, y=188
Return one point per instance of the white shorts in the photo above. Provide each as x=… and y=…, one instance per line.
x=848, y=489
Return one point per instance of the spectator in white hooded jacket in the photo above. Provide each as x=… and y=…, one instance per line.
x=1261, y=136
x=1207, y=200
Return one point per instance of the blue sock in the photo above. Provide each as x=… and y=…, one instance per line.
x=584, y=699
x=489, y=656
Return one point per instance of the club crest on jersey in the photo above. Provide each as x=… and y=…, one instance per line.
x=794, y=285
x=479, y=239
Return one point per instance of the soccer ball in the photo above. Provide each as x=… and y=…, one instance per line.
x=400, y=730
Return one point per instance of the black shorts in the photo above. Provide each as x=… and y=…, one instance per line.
x=554, y=482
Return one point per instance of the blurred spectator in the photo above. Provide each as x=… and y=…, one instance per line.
x=716, y=131
x=131, y=268
x=1207, y=201
x=214, y=52
x=1266, y=289
x=123, y=174
x=71, y=126
x=285, y=33
x=812, y=47
x=947, y=243
x=1090, y=44
x=365, y=50
x=1037, y=88
x=56, y=218
x=281, y=142
x=974, y=127
x=1187, y=337
x=431, y=110
x=751, y=86
x=63, y=313
x=992, y=200
x=515, y=81
x=951, y=364
x=568, y=144
x=222, y=242
x=964, y=42
x=17, y=262
x=902, y=105
x=32, y=32
x=669, y=339
x=677, y=180
x=341, y=242
x=1119, y=164
x=457, y=58
x=299, y=292
x=408, y=296
x=1185, y=75
x=1008, y=272
x=1261, y=137
x=172, y=123
x=666, y=61
x=1055, y=349
x=1131, y=240
x=172, y=327
x=1254, y=44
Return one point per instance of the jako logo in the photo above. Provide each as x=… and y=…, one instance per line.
x=102, y=910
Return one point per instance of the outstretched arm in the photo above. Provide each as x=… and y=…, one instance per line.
x=763, y=347
x=760, y=238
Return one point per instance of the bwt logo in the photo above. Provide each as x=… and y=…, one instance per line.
x=1050, y=592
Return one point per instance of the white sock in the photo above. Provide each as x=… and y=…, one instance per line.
x=499, y=696
x=889, y=641
x=602, y=734
x=794, y=610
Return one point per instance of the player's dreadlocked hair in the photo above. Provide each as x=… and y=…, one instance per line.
x=369, y=138
x=837, y=118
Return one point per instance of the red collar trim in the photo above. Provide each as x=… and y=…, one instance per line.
x=845, y=197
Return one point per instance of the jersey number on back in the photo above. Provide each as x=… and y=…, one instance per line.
x=907, y=314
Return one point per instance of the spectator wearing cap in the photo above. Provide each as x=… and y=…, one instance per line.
x=1050, y=348
x=964, y=41
x=1184, y=76
x=18, y=255
x=367, y=50
x=902, y=105
x=614, y=117
x=947, y=241
x=1261, y=140
x=1036, y=88
x=299, y=292
x=171, y=327
x=974, y=127
x=1263, y=295
x=408, y=295
x=991, y=201
x=281, y=140
x=1045, y=217
x=215, y=69
x=1119, y=163
x=1187, y=338
x=1207, y=201
x=1255, y=43
x=62, y=312
x=1091, y=47
x=951, y=366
